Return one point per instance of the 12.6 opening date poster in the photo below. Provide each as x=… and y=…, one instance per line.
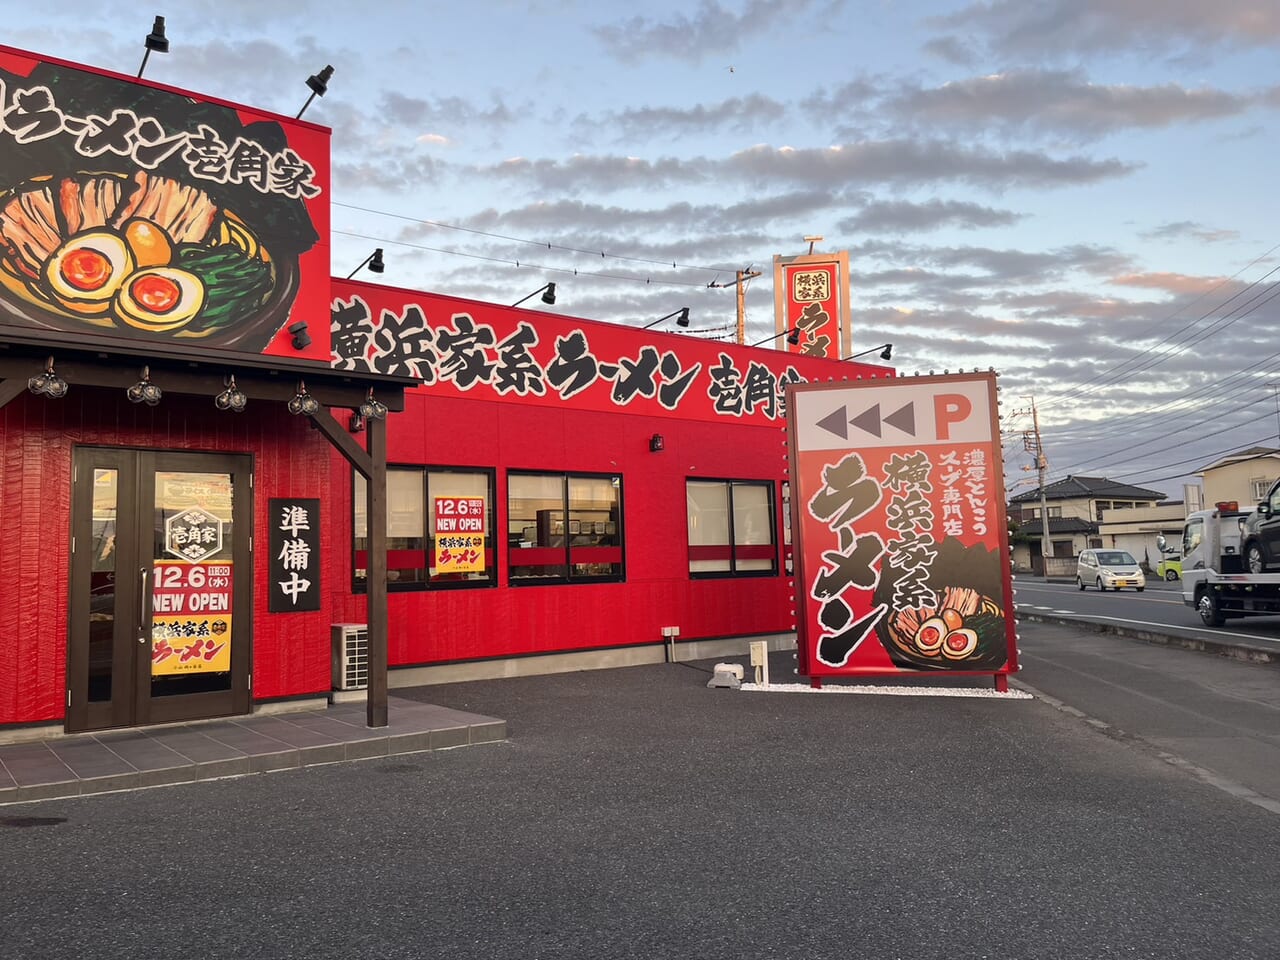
x=902, y=549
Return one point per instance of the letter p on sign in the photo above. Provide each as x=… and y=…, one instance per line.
x=949, y=409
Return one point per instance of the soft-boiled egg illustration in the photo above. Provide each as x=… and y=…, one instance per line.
x=87, y=271
x=160, y=298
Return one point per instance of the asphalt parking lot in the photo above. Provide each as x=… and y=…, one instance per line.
x=636, y=813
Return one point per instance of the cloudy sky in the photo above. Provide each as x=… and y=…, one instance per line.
x=1074, y=192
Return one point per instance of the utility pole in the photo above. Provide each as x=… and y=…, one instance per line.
x=740, y=281
x=1275, y=389
x=1032, y=444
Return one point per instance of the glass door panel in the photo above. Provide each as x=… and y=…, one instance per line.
x=102, y=582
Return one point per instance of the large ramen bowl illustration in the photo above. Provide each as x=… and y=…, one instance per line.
x=139, y=255
x=957, y=623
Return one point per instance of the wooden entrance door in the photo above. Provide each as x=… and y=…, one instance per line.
x=160, y=587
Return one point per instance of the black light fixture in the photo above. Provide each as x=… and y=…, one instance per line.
x=356, y=423
x=232, y=398
x=792, y=335
x=303, y=403
x=886, y=352
x=156, y=40
x=300, y=338
x=144, y=391
x=48, y=384
x=319, y=83
x=656, y=443
x=681, y=321
x=371, y=409
x=373, y=261
x=548, y=295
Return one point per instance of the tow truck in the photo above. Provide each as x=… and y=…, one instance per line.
x=1215, y=580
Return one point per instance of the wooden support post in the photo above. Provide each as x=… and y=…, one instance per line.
x=11, y=389
x=376, y=511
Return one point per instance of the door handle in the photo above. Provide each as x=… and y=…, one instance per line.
x=142, y=608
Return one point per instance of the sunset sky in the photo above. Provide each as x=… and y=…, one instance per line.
x=1074, y=192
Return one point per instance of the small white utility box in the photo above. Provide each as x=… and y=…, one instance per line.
x=760, y=660
x=726, y=675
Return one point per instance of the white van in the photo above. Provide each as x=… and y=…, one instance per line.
x=1109, y=568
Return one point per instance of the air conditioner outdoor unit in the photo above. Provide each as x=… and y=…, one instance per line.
x=350, y=656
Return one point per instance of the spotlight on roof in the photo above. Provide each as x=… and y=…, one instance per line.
x=548, y=292
x=373, y=261
x=681, y=321
x=156, y=40
x=319, y=84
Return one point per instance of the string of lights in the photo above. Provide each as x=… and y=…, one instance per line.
x=543, y=268
x=674, y=265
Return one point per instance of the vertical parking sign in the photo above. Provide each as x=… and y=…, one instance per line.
x=902, y=554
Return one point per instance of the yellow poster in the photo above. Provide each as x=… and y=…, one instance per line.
x=460, y=553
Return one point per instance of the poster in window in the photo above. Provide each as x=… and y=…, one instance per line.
x=294, y=565
x=459, y=535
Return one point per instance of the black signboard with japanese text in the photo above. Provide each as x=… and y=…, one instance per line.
x=295, y=554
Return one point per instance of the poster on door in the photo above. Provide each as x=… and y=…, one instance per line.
x=898, y=507
x=191, y=618
x=459, y=535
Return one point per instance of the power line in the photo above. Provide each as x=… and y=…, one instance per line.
x=1150, y=414
x=1218, y=453
x=1118, y=368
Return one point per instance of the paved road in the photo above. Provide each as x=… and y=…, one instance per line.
x=1159, y=607
x=635, y=813
x=1219, y=718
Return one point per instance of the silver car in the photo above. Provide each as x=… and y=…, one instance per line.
x=1109, y=568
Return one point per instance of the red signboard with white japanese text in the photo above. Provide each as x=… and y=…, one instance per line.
x=484, y=351
x=811, y=297
x=133, y=210
x=902, y=554
x=459, y=535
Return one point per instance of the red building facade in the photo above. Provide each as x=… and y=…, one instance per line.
x=183, y=523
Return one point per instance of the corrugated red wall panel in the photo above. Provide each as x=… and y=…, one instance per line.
x=449, y=625
x=291, y=652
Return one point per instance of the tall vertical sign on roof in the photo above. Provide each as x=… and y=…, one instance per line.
x=136, y=211
x=811, y=295
x=902, y=554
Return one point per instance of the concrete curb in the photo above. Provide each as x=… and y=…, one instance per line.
x=1231, y=649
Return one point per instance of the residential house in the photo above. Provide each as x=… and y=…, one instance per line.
x=1075, y=506
x=1244, y=477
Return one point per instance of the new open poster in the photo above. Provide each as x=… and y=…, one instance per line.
x=902, y=552
x=191, y=618
x=459, y=535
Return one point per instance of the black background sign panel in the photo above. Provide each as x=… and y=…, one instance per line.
x=295, y=554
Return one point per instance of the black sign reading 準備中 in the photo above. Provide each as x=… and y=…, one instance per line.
x=295, y=554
